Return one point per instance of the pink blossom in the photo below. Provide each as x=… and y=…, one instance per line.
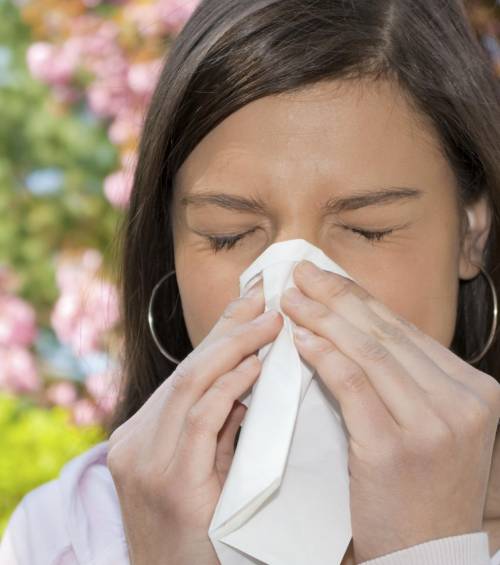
x=124, y=128
x=18, y=372
x=112, y=67
x=96, y=36
x=91, y=260
x=142, y=77
x=174, y=13
x=73, y=271
x=38, y=57
x=109, y=97
x=87, y=306
x=17, y=321
x=85, y=413
x=117, y=188
x=80, y=317
x=103, y=387
x=50, y=64
x=63, y=393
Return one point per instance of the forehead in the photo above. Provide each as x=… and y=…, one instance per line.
x=340, y=132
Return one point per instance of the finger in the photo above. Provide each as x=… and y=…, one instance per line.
x=243, y=309
x=450, y=363
x=197, y=445
x=348, y=299
x=366, y=416
x=404, y=398
x=197, y=372
x=225, y=443
x=363, y=309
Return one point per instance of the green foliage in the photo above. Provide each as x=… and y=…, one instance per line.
x=34, y=445
x=37, y=134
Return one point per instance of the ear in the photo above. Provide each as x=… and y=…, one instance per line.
x=474, y=237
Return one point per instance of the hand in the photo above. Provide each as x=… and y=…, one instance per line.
x=170, y=460
x=421, y=421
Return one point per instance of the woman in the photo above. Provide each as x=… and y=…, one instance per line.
x=372, y=130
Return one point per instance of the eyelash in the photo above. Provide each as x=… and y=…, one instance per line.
x=228, y=241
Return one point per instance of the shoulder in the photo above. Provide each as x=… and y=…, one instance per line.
x=74, y=518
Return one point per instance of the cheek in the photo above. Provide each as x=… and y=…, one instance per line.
x=422, y=283
x=429, y=304
x=425, y=292
x=205, y=292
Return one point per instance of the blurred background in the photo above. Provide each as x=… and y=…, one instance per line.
x=76, y=77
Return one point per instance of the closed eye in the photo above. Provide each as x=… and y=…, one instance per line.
x=372, y=235
x=227, y=242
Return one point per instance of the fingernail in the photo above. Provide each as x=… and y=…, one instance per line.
x=303, y=334
x=266, y=317
x=308, y=268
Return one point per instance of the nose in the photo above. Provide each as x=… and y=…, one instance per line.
x=309, y=232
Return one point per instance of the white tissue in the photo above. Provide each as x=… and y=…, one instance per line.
x=286, y=497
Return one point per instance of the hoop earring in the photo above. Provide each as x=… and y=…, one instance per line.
x=495, y=318
x=151, y=321
x=474, y=359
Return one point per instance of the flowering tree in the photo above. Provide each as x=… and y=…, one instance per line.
x=75, y=79
x=91, y=67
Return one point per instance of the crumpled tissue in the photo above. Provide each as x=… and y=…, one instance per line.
x=285, y=500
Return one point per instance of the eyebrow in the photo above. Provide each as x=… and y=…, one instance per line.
x=356, y=200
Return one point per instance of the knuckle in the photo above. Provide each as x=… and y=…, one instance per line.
x=354, y=379
x=476, y=414
x=114, y=461
x=491, y=387
x=338, y=288
x=386, y=331
x=233, y=309
x=234, y=340
x=406, y=324
x=197, y=421
x=433, y=441
x=439, y=440
x=321, y=312
x=222, y=387
x=121, y=467
x=371, y=350
x=252, y=363
x=384, y=311
x=322, y=346
x=180, y=380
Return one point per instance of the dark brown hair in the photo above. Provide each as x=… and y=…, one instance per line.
x=231, y=52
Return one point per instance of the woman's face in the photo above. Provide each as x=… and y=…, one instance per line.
x=270, y=169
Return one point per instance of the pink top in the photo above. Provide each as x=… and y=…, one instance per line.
x=75, y=519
